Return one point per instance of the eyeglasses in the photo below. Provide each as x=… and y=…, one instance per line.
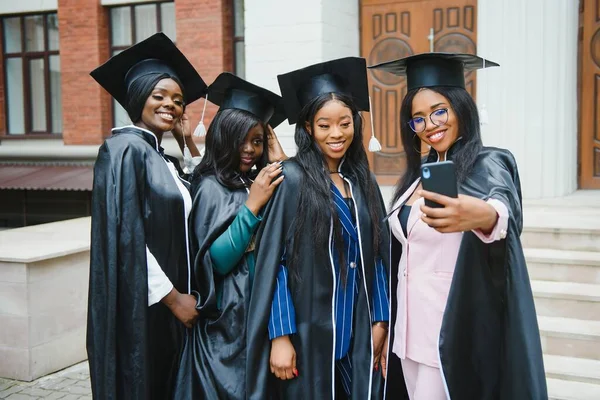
x=438, y=118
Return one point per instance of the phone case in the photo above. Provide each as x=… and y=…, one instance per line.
x=439, y=177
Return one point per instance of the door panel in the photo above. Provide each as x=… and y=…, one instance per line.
x=396, y=29
x=589, y=134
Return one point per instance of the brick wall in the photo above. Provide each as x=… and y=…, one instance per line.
x=204, y=35
x=83, y=33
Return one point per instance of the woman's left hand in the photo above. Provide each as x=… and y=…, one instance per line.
x=276, y=152
x=461, y=214
x=182, y=127
x=379, y=337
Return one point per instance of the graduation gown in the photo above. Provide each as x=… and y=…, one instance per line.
x=312, y=296
x=134, y=349
x=489, y=344
x=215, y=348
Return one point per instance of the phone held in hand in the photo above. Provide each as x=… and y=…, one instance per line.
x=439, y=177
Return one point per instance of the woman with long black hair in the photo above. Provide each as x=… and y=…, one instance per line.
x=139, y=289
x=463, y=320
x=230, y=186
x=319, y=304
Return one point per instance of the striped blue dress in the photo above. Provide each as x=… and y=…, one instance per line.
x=283, y=318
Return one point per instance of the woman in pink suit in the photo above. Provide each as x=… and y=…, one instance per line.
x=463, y=320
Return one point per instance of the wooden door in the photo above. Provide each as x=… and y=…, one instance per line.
x=394, y=29
x=589, y=96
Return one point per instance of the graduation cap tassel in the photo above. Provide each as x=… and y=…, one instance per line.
x=200, y=130
x=187, y=154
x=484, y=118
x=374, y=145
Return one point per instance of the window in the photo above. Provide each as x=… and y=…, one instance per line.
x=32, y=74
x=239, y=52
x=130, y=25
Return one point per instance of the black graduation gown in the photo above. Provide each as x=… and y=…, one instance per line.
x=489, y=342
x=215, y=348
x=312, y=296
x=134, y=349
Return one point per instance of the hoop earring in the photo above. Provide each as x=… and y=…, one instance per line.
x=415, y=148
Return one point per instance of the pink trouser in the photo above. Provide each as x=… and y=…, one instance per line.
x=423, y=382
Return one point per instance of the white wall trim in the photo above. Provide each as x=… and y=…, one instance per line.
x=119, y=2
x=47, y=150
x=27, y=6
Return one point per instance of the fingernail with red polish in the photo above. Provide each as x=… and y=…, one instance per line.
x=296, y=374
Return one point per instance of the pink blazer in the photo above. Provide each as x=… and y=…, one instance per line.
x=424, y=277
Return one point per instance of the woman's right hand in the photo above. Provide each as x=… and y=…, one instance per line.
x=283, y=358
x=183, y=306
x=263, y=187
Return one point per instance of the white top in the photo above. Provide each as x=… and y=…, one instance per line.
x=158, y=284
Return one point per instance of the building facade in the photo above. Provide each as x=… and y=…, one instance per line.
x=542, y=102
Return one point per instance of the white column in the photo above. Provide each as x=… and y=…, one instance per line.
x=532, y=97
x=284, y=35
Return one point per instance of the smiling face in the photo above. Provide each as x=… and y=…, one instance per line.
x=251, y=150
x=164, y=107
x=333, y=131
x=427, y=102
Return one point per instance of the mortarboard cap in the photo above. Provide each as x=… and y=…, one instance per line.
x=435, y=69
x=345, y=75
x=155, y=54
x=229, y=91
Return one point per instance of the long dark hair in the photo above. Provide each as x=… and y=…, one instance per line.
x=315, y=204
x=464, y=157
x=224, y=137
x=140, y=90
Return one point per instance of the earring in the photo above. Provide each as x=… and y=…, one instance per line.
x=414, y=147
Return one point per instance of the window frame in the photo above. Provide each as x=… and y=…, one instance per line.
x=237, y=39
x=26, y=57
x=113, y=48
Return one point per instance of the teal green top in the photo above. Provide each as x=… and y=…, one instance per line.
x=228, y=249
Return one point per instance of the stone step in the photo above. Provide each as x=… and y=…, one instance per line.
x=563, y=265
x=564, y=229
x=559, y=389
x=572, y=369
x=570, y=337
x=578, y=239
x=567, y=299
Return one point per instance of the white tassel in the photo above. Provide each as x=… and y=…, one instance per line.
x=374, y=145
x=187, y=159
x=484, y=118
x=200, y=130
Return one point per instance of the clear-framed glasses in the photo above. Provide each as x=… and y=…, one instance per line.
x=439, y=117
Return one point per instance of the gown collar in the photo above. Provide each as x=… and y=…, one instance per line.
x=147, y=135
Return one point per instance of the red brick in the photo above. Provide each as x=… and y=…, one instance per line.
x=83, y=34
x=204, y=35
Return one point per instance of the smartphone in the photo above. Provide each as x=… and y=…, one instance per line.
x=439, y=177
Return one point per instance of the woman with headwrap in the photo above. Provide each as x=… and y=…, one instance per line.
x=139, y=296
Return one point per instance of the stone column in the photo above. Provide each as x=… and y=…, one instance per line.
x=283, y=35
x=532, y=97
